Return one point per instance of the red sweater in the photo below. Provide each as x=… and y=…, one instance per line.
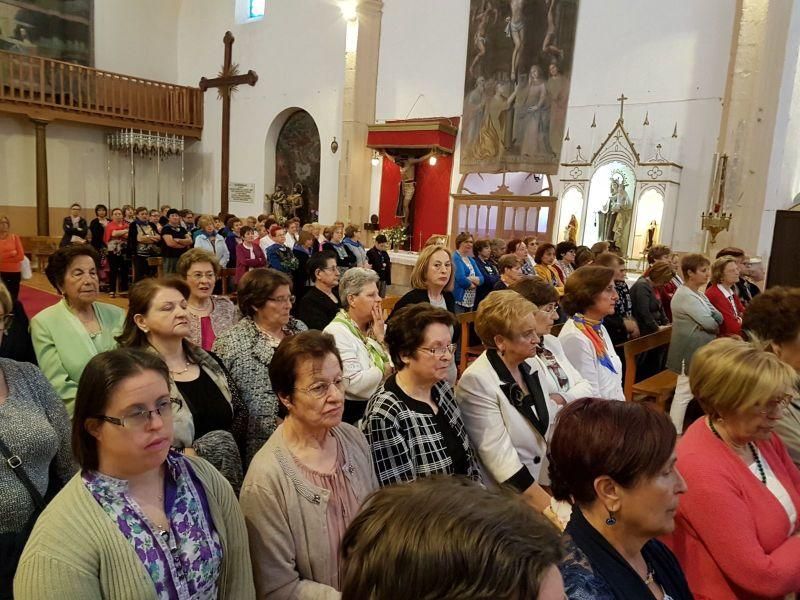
x=11, y=254
x=732, y=535
x=730, y=324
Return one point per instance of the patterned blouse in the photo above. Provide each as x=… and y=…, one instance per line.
x=624, y=306
x=184, y=563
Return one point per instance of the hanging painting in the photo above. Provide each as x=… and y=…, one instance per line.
x=49, y=28
x=297, y=163
x=516, y=86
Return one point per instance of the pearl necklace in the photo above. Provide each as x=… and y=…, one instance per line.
x=761, y=474
x=188, y=365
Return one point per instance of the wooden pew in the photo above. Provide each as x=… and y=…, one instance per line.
x=40, y=247
x=387, y=304
x=661, y=385
x=466, y=320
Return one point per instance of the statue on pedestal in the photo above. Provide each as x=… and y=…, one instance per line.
x=276, y=201
x=294, y=201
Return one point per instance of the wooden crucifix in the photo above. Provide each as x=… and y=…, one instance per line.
x=226, y=82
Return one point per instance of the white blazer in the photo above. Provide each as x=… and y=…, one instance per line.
x=505, y=440
x=581, y=353
x=356, y=364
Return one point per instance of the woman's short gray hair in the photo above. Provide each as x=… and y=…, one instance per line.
x=353, y=281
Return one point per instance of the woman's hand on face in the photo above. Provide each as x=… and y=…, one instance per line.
x=378, y=324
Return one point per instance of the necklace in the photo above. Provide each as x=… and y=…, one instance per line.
x=188, y=365
x=761, y=474
x=201, y=309
x=651, y=575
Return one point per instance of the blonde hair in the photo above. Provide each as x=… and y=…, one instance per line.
x=5, y=297
x=419, y=275
x=204, y=221
x=718, y=268
x=729, y=376
x=499, y=314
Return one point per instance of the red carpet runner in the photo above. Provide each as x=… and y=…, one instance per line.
x=35, y=300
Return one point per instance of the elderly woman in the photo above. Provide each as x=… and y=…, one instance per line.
x=75, y=227
x=616, y=462
x=138, y=517
x=345, y=259
x=213, y=419
x=773, y=318
x=249, y=254
x=488, y=269
x=695, y=322
x=504, y=398
x=412, y=422
x=209, y=315
x=503, y=550
x=723, y=296
x=737, y=527
x=15, y=339
x=246, y=349
x=519, y=249
x=12, y=254
x=68, y=334
x=34, y=426
x=567, y=384
x=211, y=241
x=589, y=297
x=546, y=269
x=309, y=480
x=358, y=330
x=510, y=269
x=320, y=304
x=647, y=308
x=279, y=256
x=467, y=275
x=355, y=246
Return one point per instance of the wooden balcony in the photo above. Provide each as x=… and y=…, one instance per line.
x=507, y=217
x=50, y=90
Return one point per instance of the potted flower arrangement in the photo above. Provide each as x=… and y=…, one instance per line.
x=396, y=236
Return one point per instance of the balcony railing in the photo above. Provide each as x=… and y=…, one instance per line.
x=507, y=217
x=46, y=88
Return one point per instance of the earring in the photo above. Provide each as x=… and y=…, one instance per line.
x=611, y=520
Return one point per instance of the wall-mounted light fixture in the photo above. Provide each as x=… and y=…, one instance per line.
x=376, y=158
x=432, y=160
x=348, y=8
x=334, y=145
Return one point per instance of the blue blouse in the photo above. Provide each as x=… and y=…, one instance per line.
x=184, y=563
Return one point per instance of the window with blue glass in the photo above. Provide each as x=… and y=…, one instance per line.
x=256, y=9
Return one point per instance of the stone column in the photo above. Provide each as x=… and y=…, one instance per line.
x=358, y=111
x=42, y=205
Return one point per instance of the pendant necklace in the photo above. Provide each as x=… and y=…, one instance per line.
x=756, y=458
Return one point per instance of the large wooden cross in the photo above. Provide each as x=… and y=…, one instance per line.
x=226, y=82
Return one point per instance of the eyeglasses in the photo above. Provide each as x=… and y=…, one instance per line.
x=321, y=389
x=282, y=300
x=6, y=321
x=200, y=276
x=442, y=351
x=330, y=269
x=549, y=308
x=779, y=404
x=140, y=419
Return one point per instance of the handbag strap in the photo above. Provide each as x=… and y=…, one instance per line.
x=15, y=464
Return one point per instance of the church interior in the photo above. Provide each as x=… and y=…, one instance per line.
x=322, y=298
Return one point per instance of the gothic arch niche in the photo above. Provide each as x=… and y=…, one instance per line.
x=609, y=211
x=292, y=159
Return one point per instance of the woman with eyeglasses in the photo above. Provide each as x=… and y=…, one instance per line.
x=412, y=423
x=359, y=333
x=138, y=520
x=209, y=315
x=265, y=299
x=737, y=532
x=307, y=483
x=213, y=420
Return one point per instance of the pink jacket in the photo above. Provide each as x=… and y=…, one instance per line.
x=243, y=261
x=732, y=535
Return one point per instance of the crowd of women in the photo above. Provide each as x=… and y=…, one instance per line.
x=274, y=448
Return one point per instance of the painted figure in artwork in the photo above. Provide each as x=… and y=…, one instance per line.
x=487, y=15
x=558, y=92
x=490, y=142
x=532, y=115
x=549, y=43
x=474, y=106
x=515, y=29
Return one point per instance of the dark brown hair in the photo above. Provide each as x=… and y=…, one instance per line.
x=508, y=261
x=310, y=345
x=463, y=237
x=511, y=246
x=446, y=538
x=731, y=251
x=583, y=257
x=656, y=252
x=139, y=300
x=563, y=247
x=406, y=329
x=480, y=245
x=660, y=273
x=583, y=286
x=541, y=249
x=625, y=441
x=693, y=263
x=536, y=290
x=100, y=377
x=61, y=259
x=774, y=315
x=256, y=287
x=609, y=259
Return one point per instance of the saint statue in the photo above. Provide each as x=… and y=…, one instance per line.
x=277, y=201
x=651, y=233
x=294, y=201
x=615, y=214
x=571, y=231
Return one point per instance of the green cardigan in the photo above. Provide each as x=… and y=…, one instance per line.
x=76, y=552
x=63, y=346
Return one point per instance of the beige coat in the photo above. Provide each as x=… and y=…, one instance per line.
x=286, y=517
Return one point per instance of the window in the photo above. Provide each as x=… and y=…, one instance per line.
x=256, y=9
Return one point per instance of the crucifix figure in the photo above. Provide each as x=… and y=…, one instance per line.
x=621, y=101
x=226, y=82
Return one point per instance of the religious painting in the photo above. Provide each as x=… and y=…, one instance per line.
x=516, y=88
x=297, y=163
x=58, y=29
